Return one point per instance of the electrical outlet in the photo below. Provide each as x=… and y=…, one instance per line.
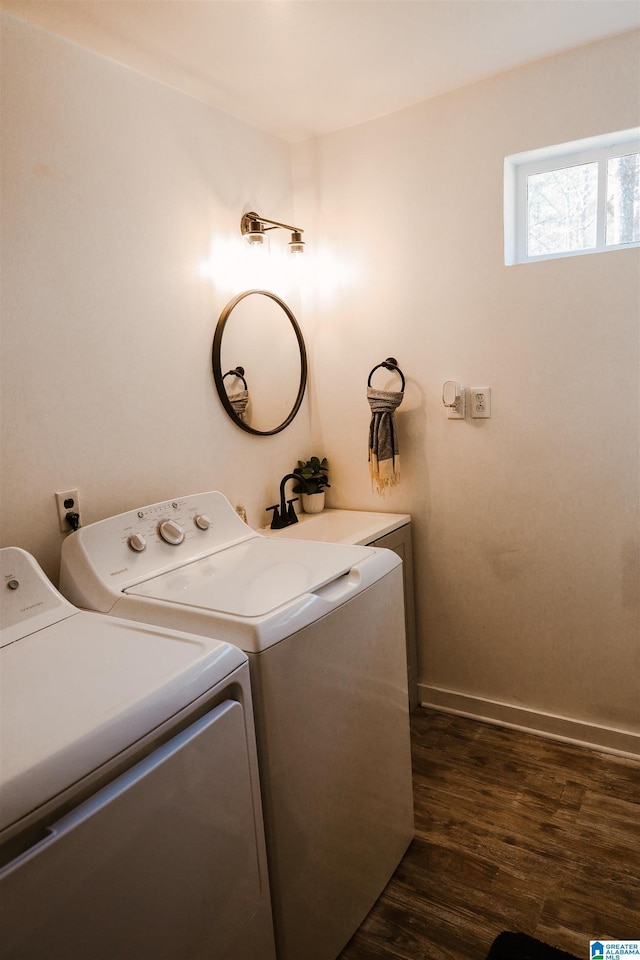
x=68, y=502
x=481, y=402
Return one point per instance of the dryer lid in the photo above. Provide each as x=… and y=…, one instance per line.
x=253, y=578
x=78, y=688
x=74, y=695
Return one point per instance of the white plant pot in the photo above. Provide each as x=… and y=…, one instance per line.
x=313, y=502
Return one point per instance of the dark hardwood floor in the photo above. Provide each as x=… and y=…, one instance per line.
x=513, y=832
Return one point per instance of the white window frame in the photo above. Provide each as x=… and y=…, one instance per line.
x=520, y=166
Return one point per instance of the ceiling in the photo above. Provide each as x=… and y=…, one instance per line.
x=302, y=68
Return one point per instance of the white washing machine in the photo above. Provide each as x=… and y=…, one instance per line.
x=323, y=627
x=130, y=820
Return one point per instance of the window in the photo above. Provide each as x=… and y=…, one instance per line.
x=574, y=198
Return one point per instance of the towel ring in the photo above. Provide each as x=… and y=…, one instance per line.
x=239, y=373
x=389, y=364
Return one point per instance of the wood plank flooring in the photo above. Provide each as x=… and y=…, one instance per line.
x=513, y=832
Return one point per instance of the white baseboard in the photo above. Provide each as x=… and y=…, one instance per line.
x=582, y=733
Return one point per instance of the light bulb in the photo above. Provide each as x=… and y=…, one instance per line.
x=255, y=232
x=296, y=244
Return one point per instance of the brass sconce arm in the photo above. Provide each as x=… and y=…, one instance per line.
x=253, y=227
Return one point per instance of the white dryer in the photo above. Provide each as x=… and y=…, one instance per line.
x=130, y=820
x=323, y=627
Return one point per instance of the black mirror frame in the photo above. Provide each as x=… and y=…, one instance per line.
x=217, y=368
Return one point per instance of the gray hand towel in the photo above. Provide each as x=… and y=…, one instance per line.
x=239, y=403
x=384, y=458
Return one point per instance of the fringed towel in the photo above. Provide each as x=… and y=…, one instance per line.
x=239, y=402
x=384, y=459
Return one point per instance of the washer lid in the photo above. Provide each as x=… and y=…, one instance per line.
x=76, y=693
x=253, y=578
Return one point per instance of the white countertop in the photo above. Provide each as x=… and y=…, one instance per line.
x=341, y=526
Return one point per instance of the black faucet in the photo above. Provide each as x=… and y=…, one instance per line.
x=284, y=514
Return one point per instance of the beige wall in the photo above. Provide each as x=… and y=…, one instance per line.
x=526, y=525
x=115, y=190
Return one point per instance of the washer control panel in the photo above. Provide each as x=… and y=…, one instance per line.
x=166, y=521
x=142, y=543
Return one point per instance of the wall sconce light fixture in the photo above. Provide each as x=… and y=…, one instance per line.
x=253, y=228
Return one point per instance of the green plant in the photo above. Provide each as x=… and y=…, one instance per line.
x=314, y=473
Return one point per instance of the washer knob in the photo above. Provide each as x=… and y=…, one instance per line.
x=137, y=542
x=202, y=521
x=171, y=532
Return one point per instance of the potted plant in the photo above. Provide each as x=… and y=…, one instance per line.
x=314, y=474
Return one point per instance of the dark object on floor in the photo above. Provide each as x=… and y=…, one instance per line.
x=518, y=946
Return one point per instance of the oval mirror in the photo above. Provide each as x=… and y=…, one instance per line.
x=259, y=362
